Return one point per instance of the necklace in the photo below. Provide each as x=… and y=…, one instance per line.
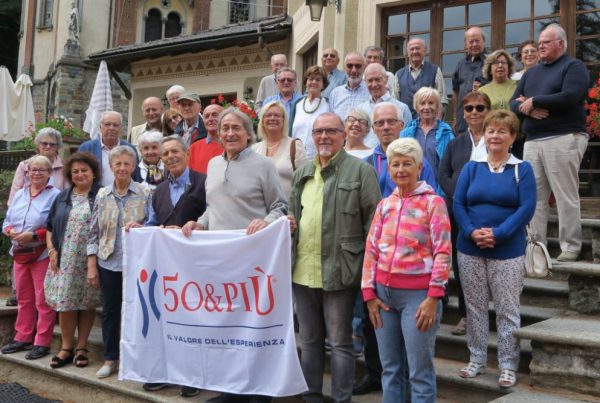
x=316, y=107
x=273, y=146
x=497, y=166
x=500, y=100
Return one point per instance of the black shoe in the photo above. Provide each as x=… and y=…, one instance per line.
x=15, y=346
x=37, y=352
x=369, y=383
x=12, y=301
x=188, y=391
x=153, y=387
x=224, y=398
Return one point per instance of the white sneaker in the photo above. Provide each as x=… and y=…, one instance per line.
x=106, y=370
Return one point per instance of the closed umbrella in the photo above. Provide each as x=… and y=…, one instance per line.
x=100, y=102
x=16, y=106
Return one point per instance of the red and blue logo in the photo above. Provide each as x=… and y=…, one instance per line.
x=151, y=299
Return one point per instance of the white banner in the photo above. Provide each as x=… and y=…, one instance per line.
x=212, y=311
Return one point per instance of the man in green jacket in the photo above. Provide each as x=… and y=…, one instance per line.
x=333, y=201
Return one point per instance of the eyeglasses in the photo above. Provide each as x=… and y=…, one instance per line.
x=529, y=51
x=352, y=120
x=286, y=80
x=478, y=108
x=38, y=171
x=381, y=122
x=500, y=63
x=47, y=145
x=111, y=124
x=545, y=43
x=329, y=55
x=273, y=116
x=329, y=131
x=356, y=66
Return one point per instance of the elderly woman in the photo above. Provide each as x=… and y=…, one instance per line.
x=287, y=153
x=242, y=191
x=152, y=169
x=467, y=146
x=405, y=273
x=528, y=55
x=25, y=225
x=493, y=202
x=357, y=126
x=497, y=68
x=116, y=205
x=170, y=120
x=306, y=110
x=66, y=288
x=432, y=133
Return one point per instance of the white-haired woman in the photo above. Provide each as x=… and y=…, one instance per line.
x=497, y=68
x=357, y=126
x=405, y=271
x=287, y=153
x=432, y=133
x=128, y=201
x=152, y=169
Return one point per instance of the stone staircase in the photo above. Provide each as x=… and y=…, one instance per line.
x=560, y=349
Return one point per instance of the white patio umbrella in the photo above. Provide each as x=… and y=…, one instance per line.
x=101, y=101
x=16, y=106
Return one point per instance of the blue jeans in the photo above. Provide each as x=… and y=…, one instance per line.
x=399, y=341
x=111, y=287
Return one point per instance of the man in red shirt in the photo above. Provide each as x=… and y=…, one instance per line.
x=203, y=150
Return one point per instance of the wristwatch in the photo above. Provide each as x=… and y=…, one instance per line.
x=34, y=236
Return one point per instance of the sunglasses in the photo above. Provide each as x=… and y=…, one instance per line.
x=351, y=66
x=47, y=145
x=286, y=80
x=329, y=55
x=478, y=108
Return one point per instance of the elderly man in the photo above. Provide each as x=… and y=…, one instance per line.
x=110, y=130
x=354, y=92
x=376, y=79
x=549, y=98
x=268, y=84
x=375, y=54
x=191, y=128
x=333, y=201
x=468, y=76
x=335, y=77
x=286, y=85
x=176, y=201
x=419, y=73
x=203, y=150
x=152, y=169
x=173, y=95
x=152, y=109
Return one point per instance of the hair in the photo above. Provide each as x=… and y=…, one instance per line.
x=380, y=69
x=504, y=118
x=380, y=105
x=361, y=114
x=279, y=55
x=559, y=31
x=175, y=88
x=407, y=147
x=49, y=132
x=111, y=113
x=479, y=29
x=165, y=120
x=315, y=71
x=330, y=114
x=477, y=96
x=150, y=136
x=427, y=93
x=176, y=138
x=86, y=158
x=374, y=49
x=522, y=46
x=486, y=70
x=40, y=159
x=354, y=53
x=273, y=104
x=416, y=38
x=121, y=150
x=246, y=121
x=283, y=70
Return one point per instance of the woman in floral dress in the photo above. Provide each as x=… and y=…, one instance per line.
x=66, y=287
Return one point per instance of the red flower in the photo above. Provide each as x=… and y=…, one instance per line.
x=213, y=101
x=221, y=98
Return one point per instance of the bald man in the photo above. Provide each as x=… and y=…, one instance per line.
x=268, y=84
x=152, y=109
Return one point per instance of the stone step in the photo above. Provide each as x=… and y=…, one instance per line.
x=586, y=248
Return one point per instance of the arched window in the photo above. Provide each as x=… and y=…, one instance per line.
x=173, y=25
x=153, y=26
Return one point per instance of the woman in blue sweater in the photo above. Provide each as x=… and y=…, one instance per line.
x=494, y=201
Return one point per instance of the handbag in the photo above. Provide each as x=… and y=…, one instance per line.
x=537, y=259
x=27, y=254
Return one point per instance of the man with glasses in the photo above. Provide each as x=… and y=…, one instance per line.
x=333, y=201
x=376, y=79
x=110, y=131
x=286, y=83
x=268, y=84
x=549, y=101
x=354, y=92
x=152, y=109
x=335, y=76
x=375, y=54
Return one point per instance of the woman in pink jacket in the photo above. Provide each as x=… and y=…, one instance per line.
x=405, y=274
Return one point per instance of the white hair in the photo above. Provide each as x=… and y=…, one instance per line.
x=150, y=136
x=380, y=105
x=175, y=89
x=407, y=147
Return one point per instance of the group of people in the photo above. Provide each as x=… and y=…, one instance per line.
x=383, y=196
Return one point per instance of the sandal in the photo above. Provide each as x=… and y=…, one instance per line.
x=507, y=378
x=81, y=360
x=472, y=370
x=58, y=362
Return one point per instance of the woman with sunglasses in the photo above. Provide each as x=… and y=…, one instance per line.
x=357, y=126
x=467, y=146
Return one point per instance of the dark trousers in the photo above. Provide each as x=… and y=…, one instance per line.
x=111, y=287
x=371, y=350
x=462, y=308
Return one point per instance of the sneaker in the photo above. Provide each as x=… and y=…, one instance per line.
x=461, y=328
x=567, y=256
x=37, y=352
x=107, y=369
x=153, y=387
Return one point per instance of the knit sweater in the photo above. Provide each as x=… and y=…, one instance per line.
x=485, y=199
